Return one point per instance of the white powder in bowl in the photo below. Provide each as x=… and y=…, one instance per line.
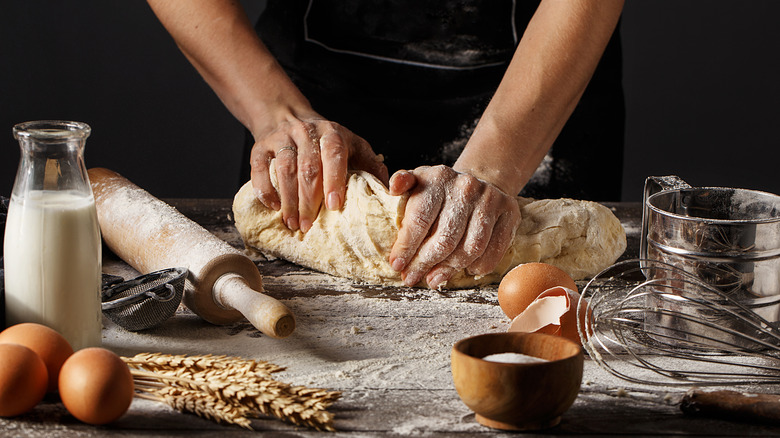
x=513, y=358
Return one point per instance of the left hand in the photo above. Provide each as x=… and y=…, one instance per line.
x=312, y=156
x=453, y=221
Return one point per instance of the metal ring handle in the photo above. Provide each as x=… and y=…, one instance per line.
x=170, y=292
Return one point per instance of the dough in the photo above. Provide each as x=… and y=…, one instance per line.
x=580, y=237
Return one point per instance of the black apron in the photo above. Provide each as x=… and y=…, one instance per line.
x=413, y=77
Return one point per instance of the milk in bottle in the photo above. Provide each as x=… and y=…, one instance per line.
x=52, y=250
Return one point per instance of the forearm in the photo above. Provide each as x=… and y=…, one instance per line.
x=218, y=39
x=550, y=69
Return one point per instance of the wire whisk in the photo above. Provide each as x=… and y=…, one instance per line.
x=652, y=323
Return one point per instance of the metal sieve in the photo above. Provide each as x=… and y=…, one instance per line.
x=728, y=238
x=144, y=302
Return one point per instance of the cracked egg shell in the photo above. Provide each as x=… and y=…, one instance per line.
x=524, y=283
x=554, y=312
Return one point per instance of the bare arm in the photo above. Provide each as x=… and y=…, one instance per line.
x=311, y=153
x=217, y=38
x=465, y=217
x=551, y=67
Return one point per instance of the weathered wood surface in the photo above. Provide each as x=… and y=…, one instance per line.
x=387, y=349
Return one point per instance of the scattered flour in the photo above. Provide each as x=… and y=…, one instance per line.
x=375, y=350
x=342, y=341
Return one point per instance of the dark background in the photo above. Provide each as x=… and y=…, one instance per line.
x=701, y=81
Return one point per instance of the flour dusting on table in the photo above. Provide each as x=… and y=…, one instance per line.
x=351, y=337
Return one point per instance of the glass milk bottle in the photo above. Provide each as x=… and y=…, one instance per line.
x=52, y=248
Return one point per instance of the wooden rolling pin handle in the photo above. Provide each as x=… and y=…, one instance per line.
x=733, y=405
x=229, y=288
x=265, y=313
x=218, y=306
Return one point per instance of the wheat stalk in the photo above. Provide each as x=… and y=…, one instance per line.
x=229, y=389
x=200, y=404
x=159, y=361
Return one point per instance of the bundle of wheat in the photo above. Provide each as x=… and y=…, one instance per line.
x=228, y=389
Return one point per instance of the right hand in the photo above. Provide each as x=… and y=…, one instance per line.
x=453, y=221
x=312, y=158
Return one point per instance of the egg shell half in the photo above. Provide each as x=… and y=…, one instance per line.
x=554, y=312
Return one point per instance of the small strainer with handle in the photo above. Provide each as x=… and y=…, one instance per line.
x=144, y=302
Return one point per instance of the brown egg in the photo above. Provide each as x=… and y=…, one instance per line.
x=51, y=346
x=523, y=284
x=96, y=386
x=23, y=379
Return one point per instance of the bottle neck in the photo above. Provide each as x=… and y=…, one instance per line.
x=52, y=157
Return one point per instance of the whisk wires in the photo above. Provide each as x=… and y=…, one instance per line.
x=651, y=323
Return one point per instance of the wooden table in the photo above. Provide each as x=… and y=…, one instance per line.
x=387, y=349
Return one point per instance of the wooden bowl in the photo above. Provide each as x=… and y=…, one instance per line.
x=512, y=396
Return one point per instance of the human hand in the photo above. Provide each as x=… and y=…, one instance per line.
x=312, y=157
x=453, y=221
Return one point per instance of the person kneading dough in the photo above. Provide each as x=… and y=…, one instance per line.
x=478, y=100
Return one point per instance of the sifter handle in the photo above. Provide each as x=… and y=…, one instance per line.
x=653, y=185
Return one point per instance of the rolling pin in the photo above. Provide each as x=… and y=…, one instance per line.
x=223, y=285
